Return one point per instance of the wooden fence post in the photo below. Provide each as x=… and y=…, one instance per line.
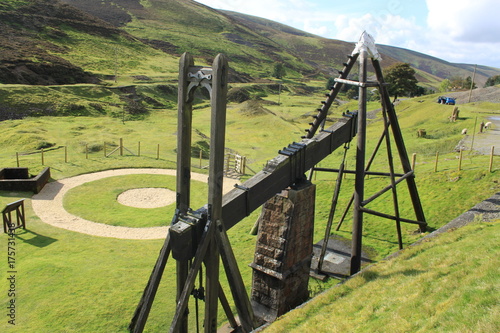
x=139, y=149
x=201, y=156
x=105, y=155
x=491, y=158
x=121, y=147
x=413, y=160
x=43, y=159
x=17, y=159
x=158, y=152
x=436, y=162
x=460, y=160
x=86, y=151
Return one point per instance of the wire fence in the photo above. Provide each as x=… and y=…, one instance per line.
x=233, y=162
x=460, y=159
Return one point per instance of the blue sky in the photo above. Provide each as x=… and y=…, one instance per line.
x=461, y=31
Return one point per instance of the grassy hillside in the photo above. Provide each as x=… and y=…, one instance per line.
x=179, y=26
x=438, y=67
x=327, y=55
x=132, y=37
x=62, y=272
x=125, y=43
x=446, y=284
x=74, y=282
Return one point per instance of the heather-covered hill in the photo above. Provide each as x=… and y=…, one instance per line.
x=82, y=41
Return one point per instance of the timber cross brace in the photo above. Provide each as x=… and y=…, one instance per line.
x=198, y=237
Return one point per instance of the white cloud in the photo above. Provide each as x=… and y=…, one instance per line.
x=454, y=30
x=465, y=20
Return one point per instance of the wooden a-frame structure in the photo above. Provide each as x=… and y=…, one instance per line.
x=199, y=237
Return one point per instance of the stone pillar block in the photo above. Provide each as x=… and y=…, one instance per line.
x=283, y=252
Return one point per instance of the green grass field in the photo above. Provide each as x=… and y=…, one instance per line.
x=71, y=282
x=446, y=284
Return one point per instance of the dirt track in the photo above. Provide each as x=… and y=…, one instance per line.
x=482, y=142
x=48, y=205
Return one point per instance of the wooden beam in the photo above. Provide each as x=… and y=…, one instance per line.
x=184, y=129
x=207, y=238
x=398, y=138
x=241, y=299
x=359, y=183
x=278, y=174
x=142, y=311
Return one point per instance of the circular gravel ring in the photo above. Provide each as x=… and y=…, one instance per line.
x=149, y=197
x=48, y=205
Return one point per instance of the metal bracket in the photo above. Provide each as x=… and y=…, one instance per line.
x=296, y=153
x=199, y=76
x=185, y=233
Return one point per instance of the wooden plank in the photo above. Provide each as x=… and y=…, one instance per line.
x=217, y=135
x=207, y=238
x=215, y=185
x=184, y=129
x=277, y=175
x=398, y=138
x=142, y=311
x=241, y=299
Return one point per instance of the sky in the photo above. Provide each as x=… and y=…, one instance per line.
x=458, y=31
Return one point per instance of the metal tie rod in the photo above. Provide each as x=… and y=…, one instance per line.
x=358, y=84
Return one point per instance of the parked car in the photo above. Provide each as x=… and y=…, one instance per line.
x=446, y=100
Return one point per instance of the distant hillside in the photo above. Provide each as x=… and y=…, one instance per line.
x=177, y=26
x=28, y=56
x=82, y=41
x=324, y=53
x=439, y=67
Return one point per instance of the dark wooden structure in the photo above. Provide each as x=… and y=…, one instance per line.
x=8, y=223
x=19, y=179
x=199, y=236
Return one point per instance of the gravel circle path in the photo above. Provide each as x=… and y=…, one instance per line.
x=48, y=205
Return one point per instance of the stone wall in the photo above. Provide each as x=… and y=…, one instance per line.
x=283, y=252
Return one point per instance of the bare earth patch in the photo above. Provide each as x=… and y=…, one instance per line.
x=150, y=197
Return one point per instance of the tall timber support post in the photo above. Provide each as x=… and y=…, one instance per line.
x=359, y=184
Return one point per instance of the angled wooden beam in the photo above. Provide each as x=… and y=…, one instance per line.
x=241, y=299
x=142, y=311
x=398, y=139
x=207, y=238
x=279, y=172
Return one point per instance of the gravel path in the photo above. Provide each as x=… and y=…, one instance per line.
x=484, y=141
x=48, y=205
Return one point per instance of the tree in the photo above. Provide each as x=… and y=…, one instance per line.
x=279, y=70
x=459, y=83
x=444, y=86
x=330, y=83
x=492, y=81
x=401, y=79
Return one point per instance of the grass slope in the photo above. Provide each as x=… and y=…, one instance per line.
x=76, y=283
x=445, y=284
